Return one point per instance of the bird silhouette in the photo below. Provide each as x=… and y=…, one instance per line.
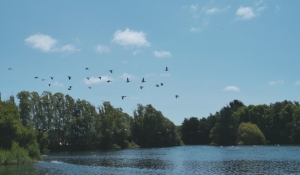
x=141, y=87
x=157, y=85
x=49, y=84
x=176, y=96
x=108, y=81
x=69, y=77
x=143, y=80
x=167, y=69
x=111, y=71
x=99, y=78
x=123, y=97
x=88, y=78
x=90, y=87
x=87, y=68
x=161, y=84
x=70, y=87
x=10, y=68
x=36, y=77
x=127, y=80
x=51, y=78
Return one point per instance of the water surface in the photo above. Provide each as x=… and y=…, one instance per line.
x=175, y=160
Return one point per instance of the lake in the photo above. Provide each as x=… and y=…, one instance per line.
x=174, y=160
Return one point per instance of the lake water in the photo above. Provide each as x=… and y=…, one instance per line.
x=175, y=160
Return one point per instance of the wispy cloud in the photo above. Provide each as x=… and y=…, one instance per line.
x=297, y=83
x=162, y=54
x=247, y=13
x=232, y=88
x=46, y=43
x=126, y=75
x=165, y=75
x=42, y=42
x=130, y=38
x=276, y=82
x=136, y=52
x=102, y=49
x=57, y=84
x=97, y=80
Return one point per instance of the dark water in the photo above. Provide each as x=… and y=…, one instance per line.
x=176, y=160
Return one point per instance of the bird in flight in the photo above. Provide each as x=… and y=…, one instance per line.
x=108, y=81
x=127, y=80
x=143, y=80
x=123, y=97
x=167, y=69
x=141, y=87
x=49, y=84
x=157, y=85
x=36, y=77
x=51, y=78
x=86, y=68
x=161, y=84
x=90, y=87
x=176, y=96
x=70, y=87
x=111, y=71
x=88, y=78
x=10, y=68
x=99, y=78
x=69, y=77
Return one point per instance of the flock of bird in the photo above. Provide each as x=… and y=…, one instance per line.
x=108, y=81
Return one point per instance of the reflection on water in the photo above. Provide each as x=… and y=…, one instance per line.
x=175, y=160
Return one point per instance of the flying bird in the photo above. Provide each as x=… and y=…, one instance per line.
x=90, y=87
x=88, y=78
x=49, y=84
x=51, y=78
x=141, y=87
x=161, y=84
x=99, y=78
x=36, y=77
x=111, y=71
x=167, y=69
x=127, y=80
x=143, y=80
x=108, y=81
x=70, y=87
x=69, y=77
x=176, y=96
x=157, y=85
x=10, y=68
x=86, y=68
x=123, y=97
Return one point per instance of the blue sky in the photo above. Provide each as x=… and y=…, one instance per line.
x=216, y=51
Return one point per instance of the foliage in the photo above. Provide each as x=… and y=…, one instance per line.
x=250, y=134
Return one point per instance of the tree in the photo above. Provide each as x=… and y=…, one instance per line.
x=250, y=134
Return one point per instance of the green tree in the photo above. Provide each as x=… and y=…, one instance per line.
x=250, y=134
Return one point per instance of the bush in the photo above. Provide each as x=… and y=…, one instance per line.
x=16, y=155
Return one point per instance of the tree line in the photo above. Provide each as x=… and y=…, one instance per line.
x=277, y=123
x=58, y=122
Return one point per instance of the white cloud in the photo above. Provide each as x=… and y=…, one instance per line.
x=130, y=38
x=297, y=83
x=126, y=75
x=162, y=54
x=194, y=7
x=102, y=49
x=245, y=13
x=96, y=80
x=57, y=84
x=276, y=82
x=69, y=48
x=212, y=11
x=43, y=42
x=232, y=88
x=136, y=52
